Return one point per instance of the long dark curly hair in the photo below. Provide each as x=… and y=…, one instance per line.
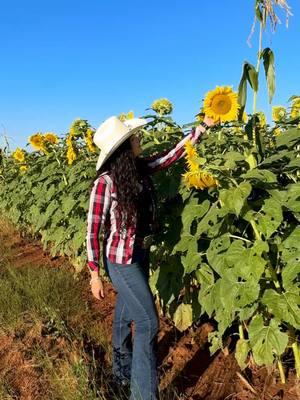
x=124, y=170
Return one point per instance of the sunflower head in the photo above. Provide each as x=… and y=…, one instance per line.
x=19, y=155
x=23, y=168
x=278, y=113
x=162, y=106
x=199, y=180
x=262, y=122
x=71, y=155
x=277, y=131
x=51, y=138
x=190, y=149
x=78, y=127
x=89, y=140
x=295, y=111
x=221, y=104
x=37, y=141
x=191, y=156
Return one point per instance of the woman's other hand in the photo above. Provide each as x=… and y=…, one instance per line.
x=97, y=288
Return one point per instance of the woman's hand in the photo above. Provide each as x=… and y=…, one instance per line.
x=97, y=288
x=209, y=121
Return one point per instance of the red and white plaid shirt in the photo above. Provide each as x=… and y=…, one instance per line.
x=102, y=213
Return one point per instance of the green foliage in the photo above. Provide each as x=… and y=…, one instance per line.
x=237, y=244
x=230, y=252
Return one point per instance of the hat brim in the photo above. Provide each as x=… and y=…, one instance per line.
x=104, y=156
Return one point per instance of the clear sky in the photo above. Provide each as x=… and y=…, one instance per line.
x=91, y=59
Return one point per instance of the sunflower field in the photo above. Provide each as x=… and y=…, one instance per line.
x=228, y=248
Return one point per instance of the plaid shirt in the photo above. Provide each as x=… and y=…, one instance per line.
x=102, y=213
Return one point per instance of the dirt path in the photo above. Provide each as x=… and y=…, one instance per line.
x=184, y=359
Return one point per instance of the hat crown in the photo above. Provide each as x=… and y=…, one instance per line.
x=110, y=132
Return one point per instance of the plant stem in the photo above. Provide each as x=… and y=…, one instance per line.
x=241, y=332
x=59, y=164
x=258, y=62
x=261, y=25
x=258, y=237
x=281, y=371
x=274, y=277
x=256, y=231
x=297, y=358
x=239, y=237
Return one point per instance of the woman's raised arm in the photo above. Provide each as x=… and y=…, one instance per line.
x=165, y=159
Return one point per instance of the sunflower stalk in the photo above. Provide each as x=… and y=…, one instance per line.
x=281, y=371
x=296, y=352
x=59, y=164
x=261, y=27
x=241, y=332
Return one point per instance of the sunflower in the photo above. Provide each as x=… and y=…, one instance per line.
x=123, y=116
x=208, y=179
x=278, y=113
x=69, y=140
x=162, y=106
x=191, y=156
x=89, y=140
x=190, y=149
x=71, y=155
x=199, y=179
x=221, y=104
x=37, y=141
x=295, y=111
x=195, y=177
x=262, y=122
x=23, y=168
x=51, y=138
x=19, y=155
x=277, y=131
x=193, y=180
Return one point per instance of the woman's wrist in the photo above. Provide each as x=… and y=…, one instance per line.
x=95, y=279
x=204, y=125
x=201, y=128
x=94, y=273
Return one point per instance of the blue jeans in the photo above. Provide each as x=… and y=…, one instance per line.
x=135, y=360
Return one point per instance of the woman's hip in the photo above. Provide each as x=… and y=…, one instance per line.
x=131, y=283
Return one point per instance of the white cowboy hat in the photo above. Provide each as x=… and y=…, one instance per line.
x=112, y=133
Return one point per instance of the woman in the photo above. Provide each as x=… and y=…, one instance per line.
x=122, y=204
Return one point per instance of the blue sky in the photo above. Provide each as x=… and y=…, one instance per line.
x=64, y=59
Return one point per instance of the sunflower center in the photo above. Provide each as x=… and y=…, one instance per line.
x=221, y=104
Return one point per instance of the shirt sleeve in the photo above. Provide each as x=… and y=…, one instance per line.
x=100, y=199
x=168, y=157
